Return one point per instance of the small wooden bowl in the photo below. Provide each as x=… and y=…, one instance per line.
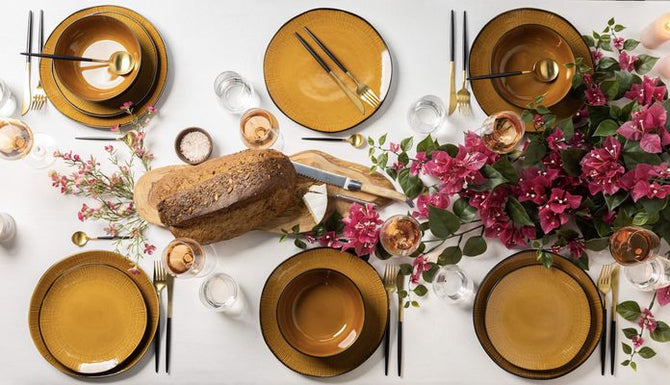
x=180, y=137
x=321, y=313
x=96, y=36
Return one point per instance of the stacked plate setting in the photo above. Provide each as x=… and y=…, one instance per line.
x=90, y=94
x=93, y=314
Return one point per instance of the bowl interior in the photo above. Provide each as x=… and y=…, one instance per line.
x=97, y=37
x=518, y=50
x=320, y=312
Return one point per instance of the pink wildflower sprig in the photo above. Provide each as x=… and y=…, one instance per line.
x=647, y=322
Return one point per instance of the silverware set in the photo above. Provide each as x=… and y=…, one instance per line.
x=33, y=99
x=162, y=280
x=459, y=100
x=394, y=282
x=608, y=280
x=363, y=91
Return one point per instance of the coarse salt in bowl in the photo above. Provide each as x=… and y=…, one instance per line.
x=193, y=145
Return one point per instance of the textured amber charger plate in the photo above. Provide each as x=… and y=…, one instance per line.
x=375, y=300
x=75, y=113
x=92, y=318
x=141, y=89
x=535, y=322
x=100, y=258
x=482, y=50
x=303, y=91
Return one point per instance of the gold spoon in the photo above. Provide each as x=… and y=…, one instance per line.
x=120, y=62
x=80, y=238
x=128, y=138
x=545, y=70
x=356, y=140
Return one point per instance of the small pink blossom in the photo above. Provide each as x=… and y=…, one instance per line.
x=551, y=220
x=648, y=127
x=417, y=166
x=617, y=43
x=596, y=55
x=458, y=172
x=115, y=128
x=595, y=96
x=134, y=270
x=419, y=265
x=152, y=109
x=576, y=248
x=394, y=147
x=637, y=341
x=561, y=200
x=626, y=61
x=663, y=296
x=149, y=249
x=361, y=228
x=397, y=166
x=647, y=320
x=538, y=122
x=439, y=200
x=601, y=169
x=330, y=239
x=126, y=106
x=649, y=91
x=109, y=148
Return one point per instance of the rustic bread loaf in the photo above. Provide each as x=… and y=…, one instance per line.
x=228, y=196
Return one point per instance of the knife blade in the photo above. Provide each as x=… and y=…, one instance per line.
x=27, y=98
x=347, y=183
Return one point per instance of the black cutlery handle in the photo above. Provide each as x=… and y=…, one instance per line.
x=157, y=342
x=314, y=54
x=29, y=42
x=327, y=139
x=56, y=57
x=327, y=51
x=613, y=345
x=465, y=39
x=453, y=37
x=603, y=343
x=498, y=75
x=110, y=237
x=399, y=348
x=40, y=41
x=387, y=342
x=168, y=330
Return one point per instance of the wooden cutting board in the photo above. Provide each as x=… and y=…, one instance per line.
x=146, y=202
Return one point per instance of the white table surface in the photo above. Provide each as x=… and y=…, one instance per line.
x=203, y=39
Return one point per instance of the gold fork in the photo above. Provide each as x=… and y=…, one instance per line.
x=160, y=281
x=39, y=96
x=604, y=286
x=362, y=90
x=463, y=95
x=390, y=274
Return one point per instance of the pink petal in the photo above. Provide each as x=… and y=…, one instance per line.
x=651, y=143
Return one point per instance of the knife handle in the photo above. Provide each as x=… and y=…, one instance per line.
x=400, y=348
x=313, y=53
x=383, y=192
x=603, y=342
x=387, y=342
x=613, y=345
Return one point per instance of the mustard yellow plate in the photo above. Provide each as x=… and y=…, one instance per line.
x=303, y=91
x=92, y=318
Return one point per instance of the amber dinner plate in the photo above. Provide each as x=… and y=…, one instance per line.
x=303, y=91
x=74, y=289
x=321, y=313
x=98, y=37
x=536, y=322
x=482, y=50
x=518, y=50
x=375, y=302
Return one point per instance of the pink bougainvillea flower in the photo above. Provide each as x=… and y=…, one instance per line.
x=609, y=217
x=649, y=91
x=474, y=143
x=576, y=248
x=509, y=234
x=626, y=61
x=648, y=127
x=361, y=228
x=617, y=43
x=647, y=320
x=663, y=296
x=397, y=166
x=596, y=55
x=417, y=166
x=550, y=220
x=149, y=248
x=637, y=341
x=595, y=96
x=601, y=169
x=560, y=200
x=126, y=106
x=458, y=172
x=439, y=200
x=330, y=239
x=556, y=141
x=538, y=122
x=419, y=265
x=394, y=147
x=533, y=185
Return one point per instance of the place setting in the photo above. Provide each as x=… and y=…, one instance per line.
x=541, y=226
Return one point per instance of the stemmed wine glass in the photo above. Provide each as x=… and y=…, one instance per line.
x=17, y=141
x=636, y=249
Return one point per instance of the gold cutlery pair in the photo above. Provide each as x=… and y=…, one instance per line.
x=363, y=91
x=394, y=282
x=608, y=280
x=33, y=100
x=162, y=280
x=460, y=99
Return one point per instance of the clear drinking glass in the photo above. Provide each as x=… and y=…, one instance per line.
x=7, y=101
x=426, y=114
x=502, y=131
x=400, y=235
x=235, y=93
x=17, y=141
x=220, y=292
x=259, y=129
x=7, y=227
x=649, y=275
x=452, y=285
x=186, y=258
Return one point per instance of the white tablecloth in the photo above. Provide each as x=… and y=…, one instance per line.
x=205, y=38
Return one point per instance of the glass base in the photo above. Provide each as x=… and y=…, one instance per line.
x=42, y=154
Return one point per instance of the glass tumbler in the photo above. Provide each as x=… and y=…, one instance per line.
x=235, y=92
x=7, y=101
x=7, y=227
x=453, y=285
x=186, y=258
x=220, y=292
x=426, y=114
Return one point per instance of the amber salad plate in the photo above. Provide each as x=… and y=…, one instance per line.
x=303, y=91
x=537, y=322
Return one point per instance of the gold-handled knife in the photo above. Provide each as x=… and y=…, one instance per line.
x=613, y=329
x=330, y=72
x=452, y=68
x=400, y=285
x=27, y=98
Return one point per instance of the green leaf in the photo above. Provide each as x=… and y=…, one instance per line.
x=517, y=212
x=414, y=304
x=406, y=144
x=474, y=246
x=653, y=205
x=629, y=310
x=629, y=332
x=382, y=139
x=645, y=63
x=450, y=256
x=411, y=185
x=419, y=250
x=545, y=258
x=493, y=179
x=608, y=63
x=662, y=332
x=429, y=274
x=402, y=294
x=610, y=22
x=300, y=244
x=382, y=160
x=442, y=223
x=381, y=253
x=403, y=158
x=535, y=151
x=625, y=80
x=426, y=145
x=420, y=290
x=633, y=365
x=507, y=170
x=625, y=363
x=450, y=149
x=646, y=352
x=589, y=40
x=406, y=269
x=568, y=128
x=613, y=201
x=527, y=116
x=626, y=348
x=607, y=127
x=571, y=158
x=610, y=88
x=630, y=44
x=640, y=218
x=464, y=211
x=619, y=28
x=371, y=141
x=597, y=244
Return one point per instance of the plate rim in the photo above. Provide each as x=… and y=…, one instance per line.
x=383, y=99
